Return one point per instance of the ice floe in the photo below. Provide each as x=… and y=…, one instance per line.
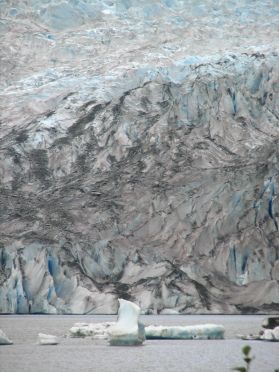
x=193, y=332
x=44, y=339
x=95, y=330
x=4, y=339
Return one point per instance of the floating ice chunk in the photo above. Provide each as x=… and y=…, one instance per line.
x=268, y=335
x=276, y=333
x=4, y=340
x=249, y=337
x=95, y=330
x=169, y=312
x=44, y=339
x=127, y=331
x=195, y=332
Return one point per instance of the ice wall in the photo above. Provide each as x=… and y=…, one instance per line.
x=139, y=159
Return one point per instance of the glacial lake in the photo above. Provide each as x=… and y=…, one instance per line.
x=86, y=355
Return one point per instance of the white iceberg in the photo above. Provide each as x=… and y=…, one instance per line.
x=194, y=332
x=267, y=335
x=276, y=333
x=94, y=330
x=44, y=339
x=4, y=339
x=270, y=334
x=127, y=331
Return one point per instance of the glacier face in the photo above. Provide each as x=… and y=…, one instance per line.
x=139, y=159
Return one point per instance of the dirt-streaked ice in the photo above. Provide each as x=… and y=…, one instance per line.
x=139, y=156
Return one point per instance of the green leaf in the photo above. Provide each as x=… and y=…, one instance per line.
x=246, y=350
x=240, y=369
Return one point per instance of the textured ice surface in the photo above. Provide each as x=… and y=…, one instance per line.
x=194, y=332
x=94, y=330
x=127, y=331
x=187, y=332
x=138, y=156
x=84, y=37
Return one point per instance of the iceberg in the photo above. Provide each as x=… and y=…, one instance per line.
x=267, y=335
x=4, y=339
x=127, y=331
x=44, y=339
x=94, y=330
x=276, y=333
x=195, y=332
x=270, y=334
x=124, y=331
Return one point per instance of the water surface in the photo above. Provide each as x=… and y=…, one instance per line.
x=86, y=355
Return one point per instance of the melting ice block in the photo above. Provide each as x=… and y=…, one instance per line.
x=127, y=331
x=4, y=340
x=195, y=332
x=44, y=339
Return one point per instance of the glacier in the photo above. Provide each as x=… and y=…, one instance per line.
x=147, y=172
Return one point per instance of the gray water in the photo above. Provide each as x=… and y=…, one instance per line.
x=86, y=355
